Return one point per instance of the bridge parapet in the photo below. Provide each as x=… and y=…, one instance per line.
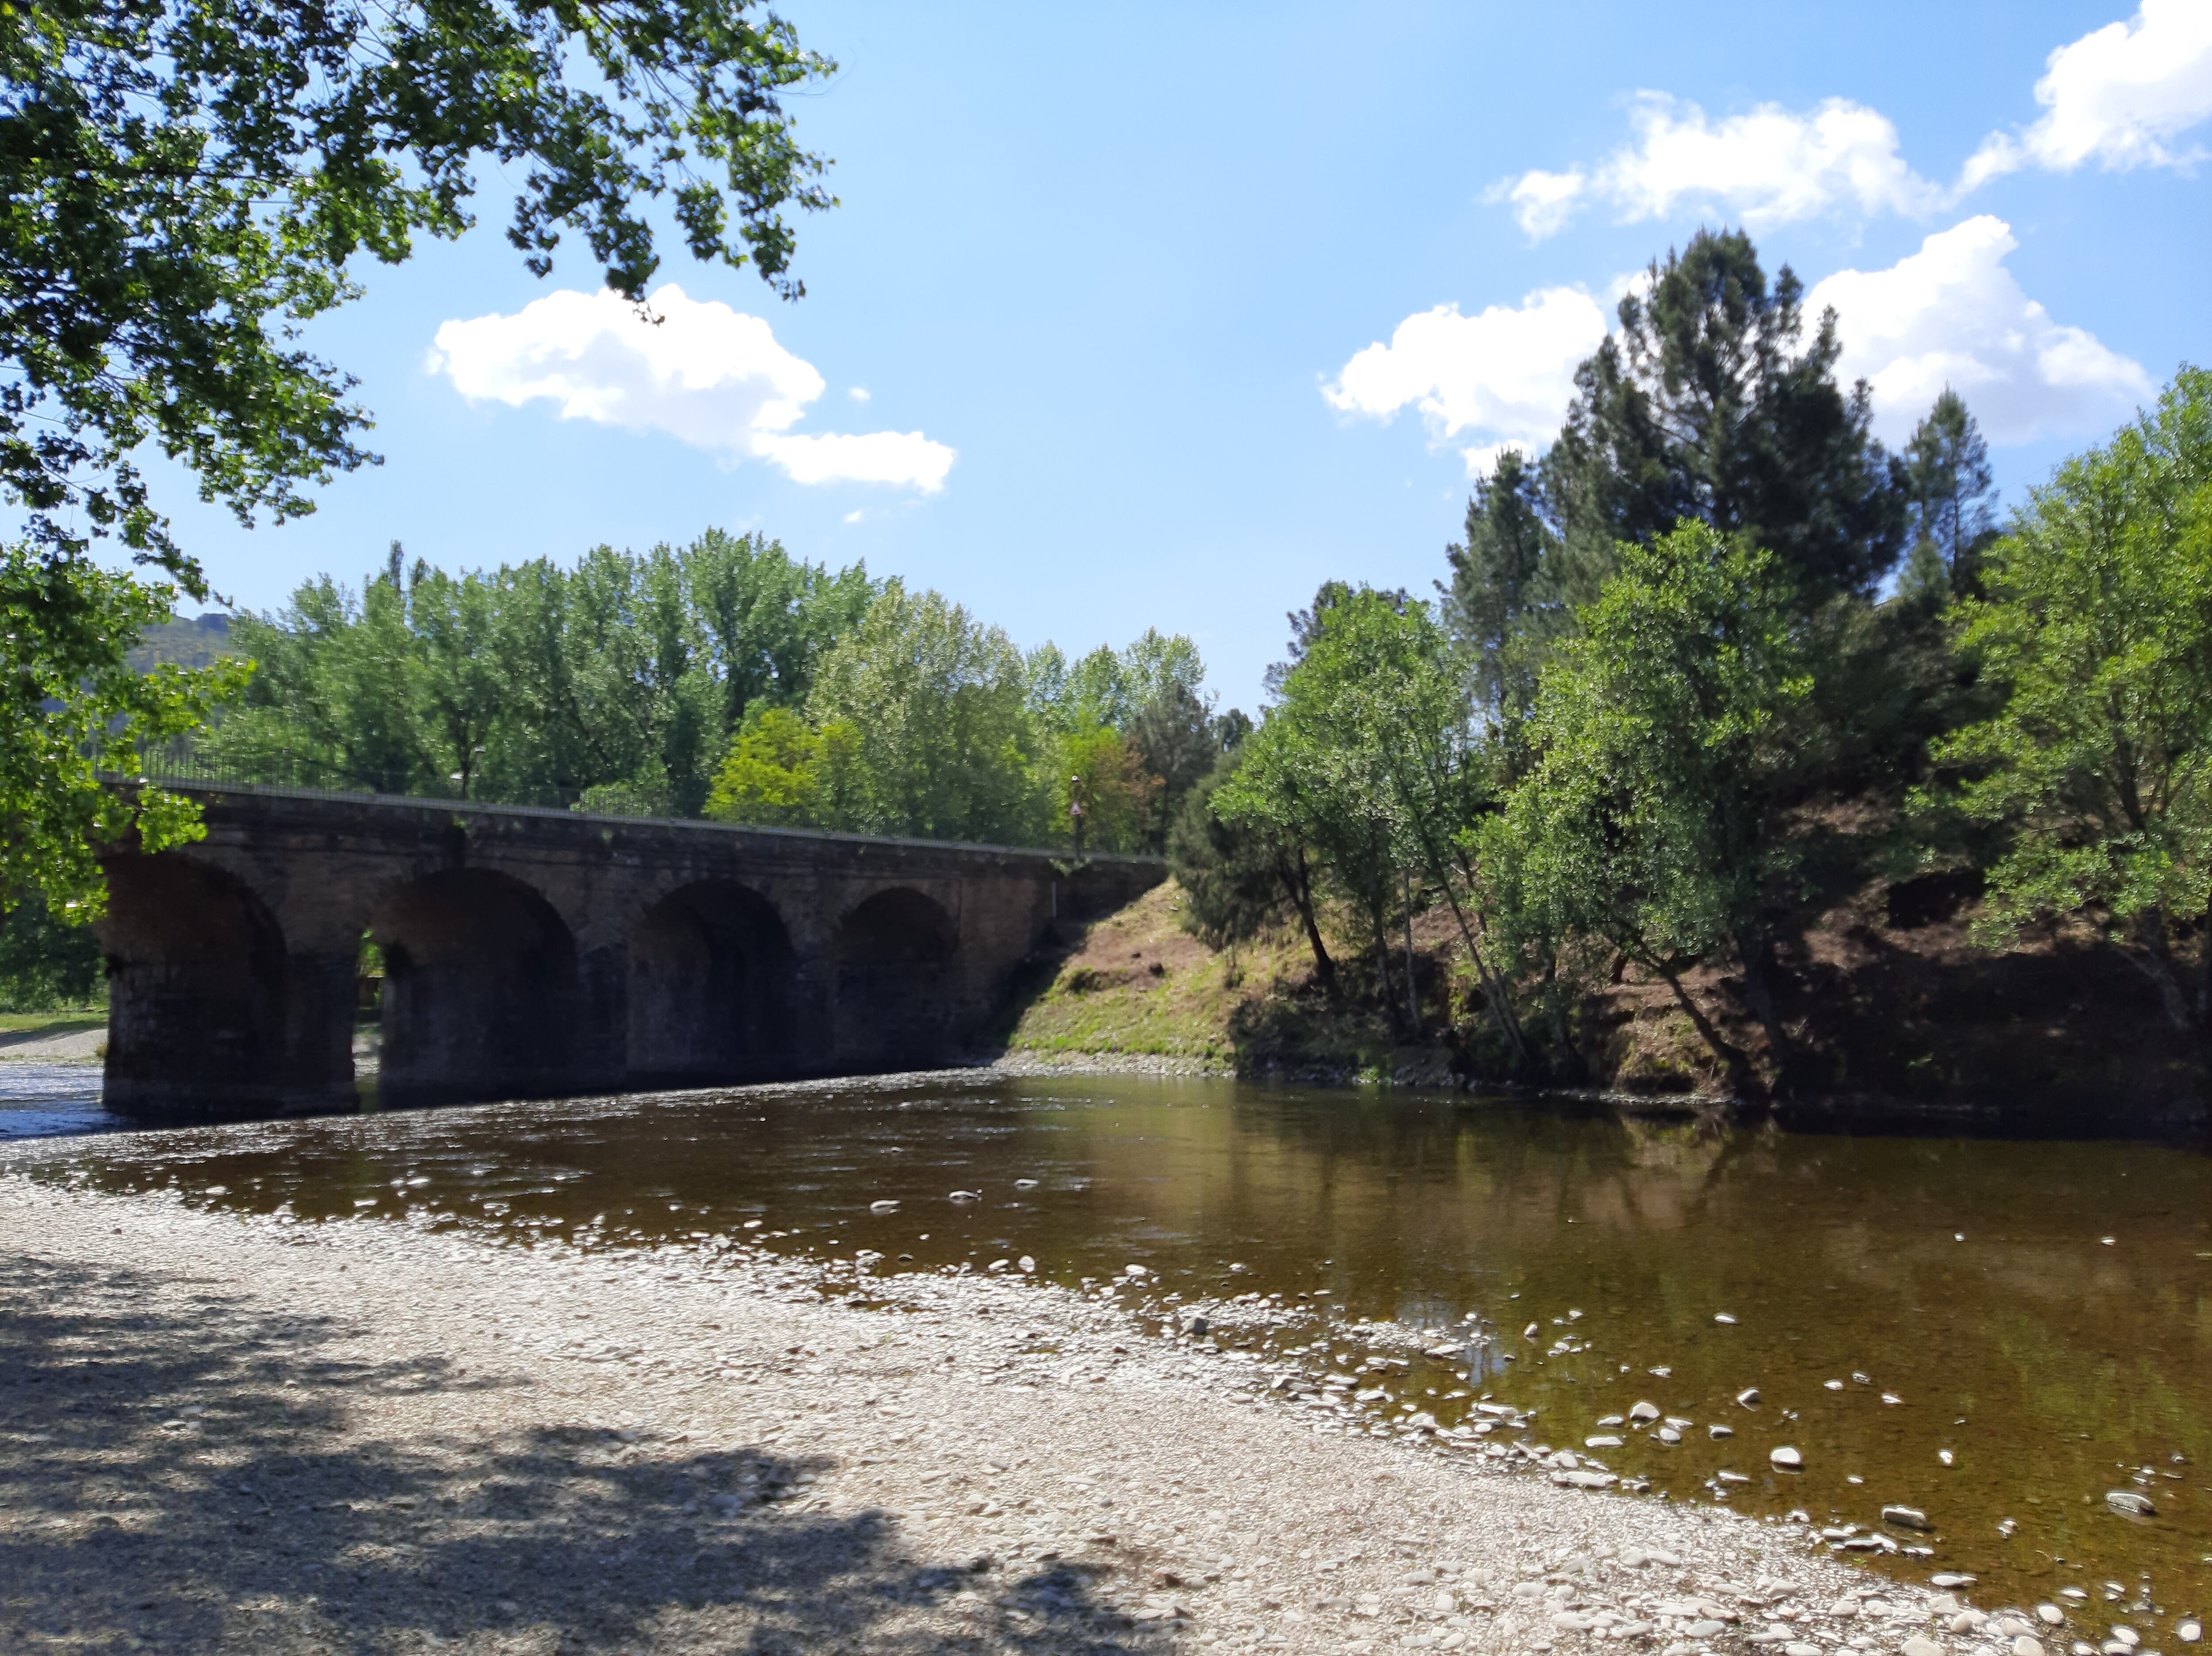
x=540, y=952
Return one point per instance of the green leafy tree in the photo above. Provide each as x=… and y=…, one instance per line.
x=783, y=772
x=616, y=684
x=1672, y=735
x=74, y=707
x=1712, y=404
x=1378, y=717
x=2096, y=629
x=1310, y=777
x=948, y=743
x=1095, y=766
x=188, y=184
x=45, y=964
x=1233, y=877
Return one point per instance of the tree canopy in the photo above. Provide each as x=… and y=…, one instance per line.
x=1713, y=404
x=2095, y=628
x=189, y=183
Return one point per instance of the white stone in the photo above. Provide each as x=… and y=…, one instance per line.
x=2189, y=1632
x=1786, y=1458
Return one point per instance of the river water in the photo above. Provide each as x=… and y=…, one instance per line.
x=1996, y=1333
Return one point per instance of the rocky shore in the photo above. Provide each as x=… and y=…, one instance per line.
x=221, y=1432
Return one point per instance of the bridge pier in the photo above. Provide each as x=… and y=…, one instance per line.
x=536, y=953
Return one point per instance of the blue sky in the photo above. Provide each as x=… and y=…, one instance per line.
x=1106, y=276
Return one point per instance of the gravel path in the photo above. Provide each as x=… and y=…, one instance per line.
x=85, y=1046
x=222, y=1432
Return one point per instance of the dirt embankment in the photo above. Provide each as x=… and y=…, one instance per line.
x=1890, y=1008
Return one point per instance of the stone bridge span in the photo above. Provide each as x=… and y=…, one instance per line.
x=542, y=953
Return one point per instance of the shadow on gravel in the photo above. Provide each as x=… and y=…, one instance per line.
x=178, y=1485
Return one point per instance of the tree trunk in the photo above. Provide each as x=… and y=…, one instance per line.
x=2156, y=961
x=1388, y=997
x=1759, y=990
x=1297, y=881
x=1413, y=999
x=1741, y=1077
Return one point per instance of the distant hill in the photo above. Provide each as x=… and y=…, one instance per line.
x=186, y=643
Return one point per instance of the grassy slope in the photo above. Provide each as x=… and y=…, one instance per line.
x=1136, y=983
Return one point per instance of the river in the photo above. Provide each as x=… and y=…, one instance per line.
x=1996, y=1334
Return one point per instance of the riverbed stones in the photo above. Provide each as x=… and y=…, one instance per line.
x=1748, y=1398
x=2189, y=1632
x=1920, y=1645
x=1014, y=1469
x=1783, y=1459
x=2130, y=1503
x=1910, y=1518
x=1645, y=1413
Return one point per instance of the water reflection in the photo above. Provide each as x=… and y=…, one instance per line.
x=1994, y=1333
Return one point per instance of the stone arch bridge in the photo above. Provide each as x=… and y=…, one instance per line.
x=545, y=953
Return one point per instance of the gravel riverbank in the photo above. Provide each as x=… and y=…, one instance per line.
x=219, y=1432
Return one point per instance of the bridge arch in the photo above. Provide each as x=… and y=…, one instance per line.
x=893, y=952
x=481, y=988
x=711, y=988
x=197, y=987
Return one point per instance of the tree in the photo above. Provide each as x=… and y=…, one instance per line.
x=74, y=707
x=2096, y=629
x=1378, y=719
x=188, y=183
x=1671, y=734
x=1710, y=405
x=1948, y=485
x=44, y=964
x=948, y=746
x=1095, y=766
x=618, y=683
x=1310, y=778
x=1174, y=738
x=783, y=772
x=1232, y=877
x=1504, y=604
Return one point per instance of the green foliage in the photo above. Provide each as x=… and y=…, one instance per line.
x=1948, y=482
x=1505, y=605
x=1710, y=405
x=948, y=746
x=1673, y=742
x=2096, y=629
x=1095, y=766
x=186, y=183
x=616, y=684
x=783, y=772
x=1328, y=770
x=1228, y=870
x=74, y=707
x=44, y=963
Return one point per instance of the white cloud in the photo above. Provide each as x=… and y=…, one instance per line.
x=703, y=374
x=1770, y=166
x=2119, y=95
x=1953, y=314
x=858, y=394
x=1507, y=372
